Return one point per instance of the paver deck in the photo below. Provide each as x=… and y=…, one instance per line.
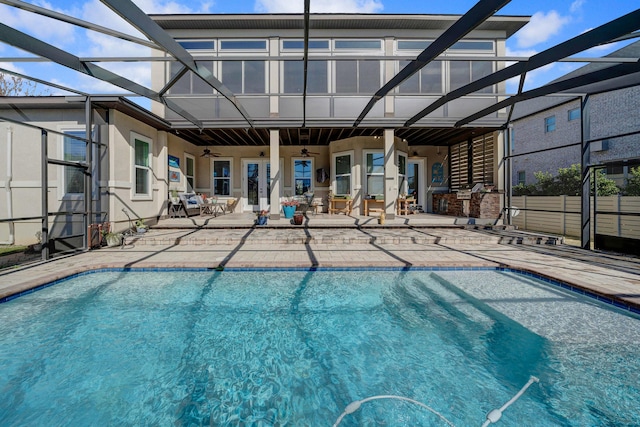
x=612, y=276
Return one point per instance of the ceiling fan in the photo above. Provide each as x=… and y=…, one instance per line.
x=305, y=153
x=207, y=153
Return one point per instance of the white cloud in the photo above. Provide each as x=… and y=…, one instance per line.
x=46, y=29
x=541, y=27
x=323, y=6
x=576, y=6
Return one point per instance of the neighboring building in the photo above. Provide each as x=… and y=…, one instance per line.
x=281, y=148
x=548, y=123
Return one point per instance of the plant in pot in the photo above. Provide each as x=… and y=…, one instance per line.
x=112, y=239
x=141, y=227
x=289, y=207
x=174, y=197
x=262, y=217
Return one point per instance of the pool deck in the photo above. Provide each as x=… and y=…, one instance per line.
x=612, y=276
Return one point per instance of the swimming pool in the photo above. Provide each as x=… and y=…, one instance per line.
x=266, y=348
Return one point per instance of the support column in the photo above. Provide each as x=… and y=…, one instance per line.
x=44, y=170
x=390, y=174
x=276, y=174
x=88, y=176
x=585, y=210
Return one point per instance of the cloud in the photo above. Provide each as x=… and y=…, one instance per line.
x=576, y=6
x=46, y=29
x=541, y=27
x=324, y=6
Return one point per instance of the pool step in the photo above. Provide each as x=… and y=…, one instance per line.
x=342, y=237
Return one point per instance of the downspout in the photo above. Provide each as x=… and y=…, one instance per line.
x=7, y=186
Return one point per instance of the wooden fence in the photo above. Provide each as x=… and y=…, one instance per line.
x=618, y=216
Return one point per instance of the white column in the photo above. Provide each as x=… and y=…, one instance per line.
x=276, y=175
x=390, y=174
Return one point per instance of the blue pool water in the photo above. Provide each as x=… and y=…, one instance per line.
x=294, y=348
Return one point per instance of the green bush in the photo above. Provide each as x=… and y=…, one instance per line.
x=633, y=183
x=567, y=182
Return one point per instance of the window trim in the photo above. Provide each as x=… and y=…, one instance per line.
x=524, y=175
x=334, y=156
x=365, y=173
x=406, y=165
x=63, y=194
x=548, y=125
x=213, y=178
x=132, y=144
x=186, y=168
x=293, y=174
x=573, y=110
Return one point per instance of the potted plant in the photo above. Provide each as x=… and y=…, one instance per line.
x=141, y=227
x=113, y=239
x=262, y=217
x=289, y=207
x=298, y=218
x=175, y=200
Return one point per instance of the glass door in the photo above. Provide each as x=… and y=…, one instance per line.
x=256, y=184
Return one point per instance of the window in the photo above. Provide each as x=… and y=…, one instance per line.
x=74, y=150
x=222, y=177
x=141, y=165
x=299, y=44
x=358, y=44
x=374, y=168
x=427, y=80
x=342, y=170
x=403, y=185
x=302, y=174
x=198, y=44
x=462, y=73
x=413, y=44
x=574, y=114
x=190, y=83
x=244, y=76
x=472, y=45
x=243, y=45
x=550, y=124
x=190, y=172
x=293, y=77
x=357, y=76
x=522, y=177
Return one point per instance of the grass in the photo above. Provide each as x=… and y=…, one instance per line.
x=13, y=249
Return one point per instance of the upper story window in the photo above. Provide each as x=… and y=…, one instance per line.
x=293, y=76
x=357, y=76
x=244, y=76
x=427, y=80
x=522, y=177
x=299, y=44
x=413, y=44
x=550, y=124
x=198, y=44
x=357, y=44
x=243, y=45
x=190, y=83
x=462, y=73
x=472, y=45
x=573, y=114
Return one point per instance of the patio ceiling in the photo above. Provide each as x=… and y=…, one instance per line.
x=621, y=72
